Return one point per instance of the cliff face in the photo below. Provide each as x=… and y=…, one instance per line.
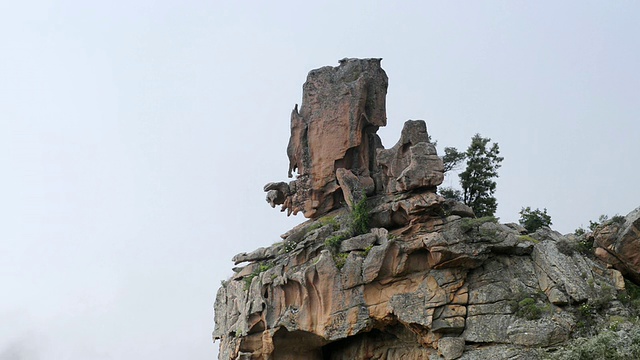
x=425, y=280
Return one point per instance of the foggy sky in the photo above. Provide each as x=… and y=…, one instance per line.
x=135, y=138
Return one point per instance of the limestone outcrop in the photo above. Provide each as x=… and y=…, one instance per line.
x=425, y=279
x=618, y=243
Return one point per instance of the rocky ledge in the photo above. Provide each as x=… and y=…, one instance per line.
x=459, y=288
x=387, y=269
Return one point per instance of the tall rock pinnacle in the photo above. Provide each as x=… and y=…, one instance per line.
x=334, y=145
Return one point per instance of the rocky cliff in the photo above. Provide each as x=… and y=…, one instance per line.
x=387, y=269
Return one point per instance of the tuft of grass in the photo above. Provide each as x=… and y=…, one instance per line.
x=329, y=220
x=367, y=250
x=528, y=238
x=340, y=259
x=257, y=271
x=333, y=243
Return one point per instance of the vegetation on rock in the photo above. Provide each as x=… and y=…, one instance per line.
x=608, y=344
x=360, y=217
x=533, y=220
x=452, y=158
x=450, y=193
x=474, y=223
x=477, y=181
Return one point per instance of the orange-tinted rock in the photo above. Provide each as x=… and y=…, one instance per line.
x=342, y=108
x=619, y=245
x=413, y=162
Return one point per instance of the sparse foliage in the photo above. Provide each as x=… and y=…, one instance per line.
x=604, y=219
x=580, y=231
x=593, y=225
x=452, y=158
x=477, y=181
x=450, y=193
x=533, y=220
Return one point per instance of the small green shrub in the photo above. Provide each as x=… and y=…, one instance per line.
x=289, y=246
x=630, y=296
x=529, y=306
x=450, y=193
x=314, y=226
x=467, y=224
x=340, y=259
x=593, y=225
x=618, y=219
x=329, y=220
x=580, y=231
x=333, y=242
x=585, y=246
x=528, y=238
x=533, y=220
x=367, y=250
x=360, y=217
x=529, y=309
x=565, y=247
x=247, y=280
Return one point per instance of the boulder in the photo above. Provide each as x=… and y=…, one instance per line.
x=413, y=162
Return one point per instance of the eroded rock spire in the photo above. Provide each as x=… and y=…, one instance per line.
x=334, y=147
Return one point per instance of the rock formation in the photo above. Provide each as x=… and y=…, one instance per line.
x=618, y=244
x=342, y=108
x=427, y=280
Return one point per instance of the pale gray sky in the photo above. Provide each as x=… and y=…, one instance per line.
x=136, y=136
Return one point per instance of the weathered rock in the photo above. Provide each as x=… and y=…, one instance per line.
x=342, y=108
x=619, y=244
x=360, y=242
x=451, y=347
x=413, y=162
x=256, y=255
x=395, y=288
x=354, y=189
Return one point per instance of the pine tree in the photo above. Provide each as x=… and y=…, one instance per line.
x=477, y=181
